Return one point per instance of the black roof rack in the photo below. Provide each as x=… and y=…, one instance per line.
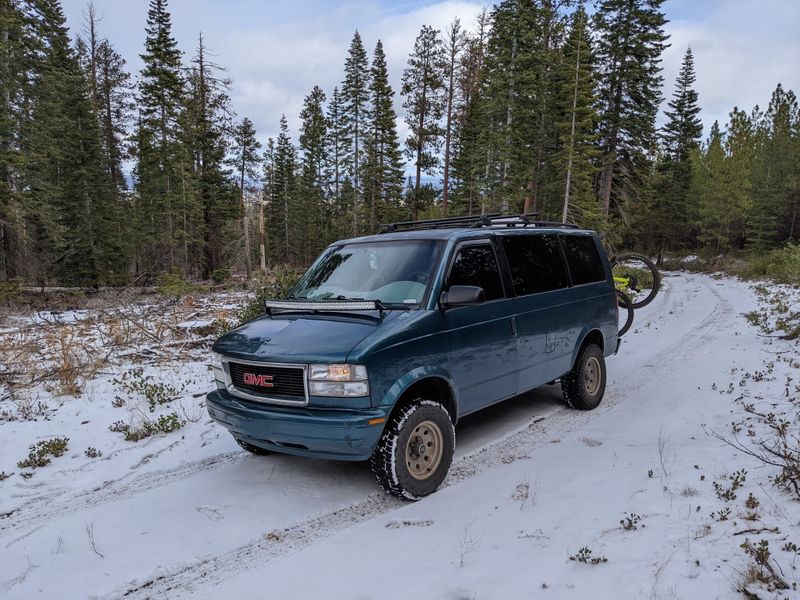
x=475, y=221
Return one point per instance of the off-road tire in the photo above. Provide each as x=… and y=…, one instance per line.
x=650, y=265
x=624, y=303
x=257, y=450
x=388, y=460
x=580, y=387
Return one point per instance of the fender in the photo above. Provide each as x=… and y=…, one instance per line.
x=582, y=338
x=399, y=387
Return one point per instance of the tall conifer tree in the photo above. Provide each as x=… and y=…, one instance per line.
x=424, y=91
x=630, y=40
x=355, y=99
x=384, y=164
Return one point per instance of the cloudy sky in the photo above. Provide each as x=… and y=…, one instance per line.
x=277, y=50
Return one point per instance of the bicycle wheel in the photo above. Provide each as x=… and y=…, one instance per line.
x=624, y=303
x=637, y=276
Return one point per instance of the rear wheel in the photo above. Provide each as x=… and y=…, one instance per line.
x=583, y=387
x=414, y=453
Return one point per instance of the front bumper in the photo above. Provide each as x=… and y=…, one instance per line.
x=319, y=433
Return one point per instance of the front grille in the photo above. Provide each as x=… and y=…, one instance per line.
x=286, y=382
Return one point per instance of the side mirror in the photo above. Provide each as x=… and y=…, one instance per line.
x=459, y=295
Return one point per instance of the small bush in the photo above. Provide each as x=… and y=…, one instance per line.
x=39, y=453
x=220, y=275
x=781, y=265
x=136, y=382
x=4, y=475
x=164, y=424
x=631, y=522
x=584, y=555
x=174, y=284
x=91, y=452
x=11, y=290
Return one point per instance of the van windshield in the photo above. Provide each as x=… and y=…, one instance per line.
x=392, y=272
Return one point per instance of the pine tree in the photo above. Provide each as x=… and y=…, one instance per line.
x=267, y=194
x=158, y=149
x=311, y=221
x=204, y=127
x=455, y=43
x=283, y=193
x=245, y=149
x=12, y=80
x=424, y=91
x=710, y=188
x=684, y=128
x=776, y=173
x=673, y=212
x=355, y=98
x=630, y=40
x=111, y=93
x=383, y=177
x=72, y=213
x=576, y=122
x=468, y=153
x=337, y=144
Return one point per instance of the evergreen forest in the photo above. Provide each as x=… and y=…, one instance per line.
x=110, y=177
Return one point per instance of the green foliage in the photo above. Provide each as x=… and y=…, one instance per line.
x=155, y=393
x=781, y=265
x=220, y=275
x=279, y=283
x=11, y=290
x=41, y=452
x=164, y=424
x=630, y=41
x=174, y=284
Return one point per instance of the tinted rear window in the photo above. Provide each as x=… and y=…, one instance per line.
x=583, y=259
x=535, y=263
x=477, y=265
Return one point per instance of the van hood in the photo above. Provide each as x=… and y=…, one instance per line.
x=300, y=338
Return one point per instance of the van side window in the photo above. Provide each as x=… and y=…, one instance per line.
x=583, y=259
x=477, y=265
x=535, y=263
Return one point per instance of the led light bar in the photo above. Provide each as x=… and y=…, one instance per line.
x=332, y=306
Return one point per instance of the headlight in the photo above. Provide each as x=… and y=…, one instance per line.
x=338, y=380
x=216, y=369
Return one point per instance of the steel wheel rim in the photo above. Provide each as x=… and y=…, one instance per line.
x=592, y=376
x=424, y=450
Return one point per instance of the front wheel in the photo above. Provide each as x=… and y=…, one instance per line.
x=414, y=453
x=583, y=387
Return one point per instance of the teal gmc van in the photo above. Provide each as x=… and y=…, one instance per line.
x=389, y=339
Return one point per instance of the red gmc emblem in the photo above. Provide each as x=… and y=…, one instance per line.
x=257, y=380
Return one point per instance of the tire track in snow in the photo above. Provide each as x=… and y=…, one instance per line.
x=211, y=571
x=57, y=505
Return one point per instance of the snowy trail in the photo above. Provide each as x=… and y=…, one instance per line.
x=212, y=519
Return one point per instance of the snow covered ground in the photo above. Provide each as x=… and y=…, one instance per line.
x=644, y=484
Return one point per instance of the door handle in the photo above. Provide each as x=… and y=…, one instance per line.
x=513, y=326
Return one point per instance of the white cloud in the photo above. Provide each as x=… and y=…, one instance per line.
x=742, y=50
x=276, y=51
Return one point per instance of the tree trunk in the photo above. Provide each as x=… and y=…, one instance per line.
x=262, y=244
x=448, y=128
x=572, y=134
